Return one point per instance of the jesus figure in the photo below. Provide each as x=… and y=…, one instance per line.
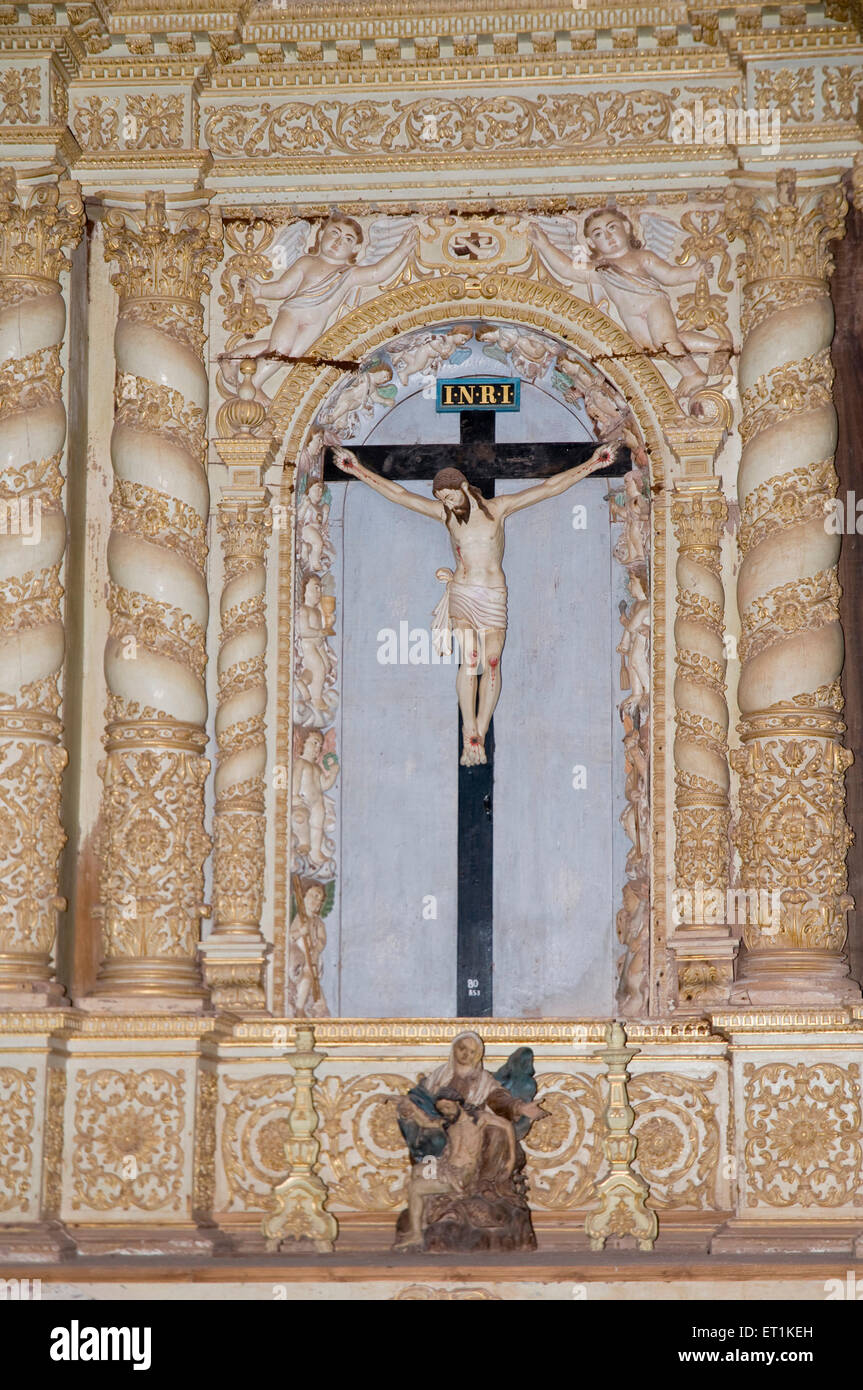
x=474, y=603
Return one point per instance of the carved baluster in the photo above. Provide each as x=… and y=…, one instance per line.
x=152, y=839
x=792, y=835
x=300, y=1201
x=37, y=220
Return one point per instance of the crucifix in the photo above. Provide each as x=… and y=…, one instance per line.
x=474, y=608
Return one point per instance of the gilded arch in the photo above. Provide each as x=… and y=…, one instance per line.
x=575, y=324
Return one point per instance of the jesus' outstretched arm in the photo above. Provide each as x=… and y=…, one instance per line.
x=552, y=487
x=393, y=492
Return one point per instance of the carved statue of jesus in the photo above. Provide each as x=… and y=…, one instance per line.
x=474, y=604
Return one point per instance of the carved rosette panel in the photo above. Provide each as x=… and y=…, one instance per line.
x=802, y=1138
x=363, y=1159
x=17, y=1125
x=791, y=764
x=677, y=1128
x=153, y=844
x=127, y=1141
x=564, y=1150
x=240, y=823
x=37, y=222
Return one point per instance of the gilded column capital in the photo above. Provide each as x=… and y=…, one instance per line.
x=40, y=218
x=787, y=226
x=698, y=514
x=163, y=248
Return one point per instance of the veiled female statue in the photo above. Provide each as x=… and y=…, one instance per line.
x=463, y=1128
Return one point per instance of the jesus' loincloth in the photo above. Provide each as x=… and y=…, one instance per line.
x=467, y=607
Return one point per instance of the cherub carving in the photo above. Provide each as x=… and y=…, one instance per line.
x=307, y=937
x=634, y=278
x=635, y=817
x=358, y=396
x=311, y=810
x=428, y=352
x=608, y=415
x=313, y=512
x=315, y=284
x=528, y=353
x=315, y=681
x=632, y=507
x=634, y=648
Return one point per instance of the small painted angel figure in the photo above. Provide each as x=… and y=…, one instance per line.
x=633, y=277
x=315, y=284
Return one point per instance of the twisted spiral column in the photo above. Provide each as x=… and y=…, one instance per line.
x=152, y=839
x=701, y=941
x=792, y=835
x=235, y=952
x=37, y=220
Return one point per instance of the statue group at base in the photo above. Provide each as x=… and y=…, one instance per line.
x=463, y=1127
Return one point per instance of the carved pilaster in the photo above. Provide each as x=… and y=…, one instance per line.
x=235, y=953
x=702, y=943
x=38, y=219
x=152, y=839
x=792, y=834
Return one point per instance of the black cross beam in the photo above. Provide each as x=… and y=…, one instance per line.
x=482, y=461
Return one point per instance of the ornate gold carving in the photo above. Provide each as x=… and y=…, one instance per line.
x=158, y=260
x=240, y=825
x=52, y=1142
x=790, y=91
x=152, y=839
x=787, y=257
x=204, y=1172
x=145, y=405
x=157, y=121
x=96, y=123
x=564, y=1153
x=785, y=391
x=37, y=221
x=151, y=818
x=701, y=811
x=17, y=1127
x=158, y=627
x=801, y=606
x=128, y=1141
x=841, y=88
x=678, y=1135
x=802, y=1137
x=472, y=124
x=792, y=833
x=141, y=510
x=789, y=499
x=20, y=96
x=31, y=838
